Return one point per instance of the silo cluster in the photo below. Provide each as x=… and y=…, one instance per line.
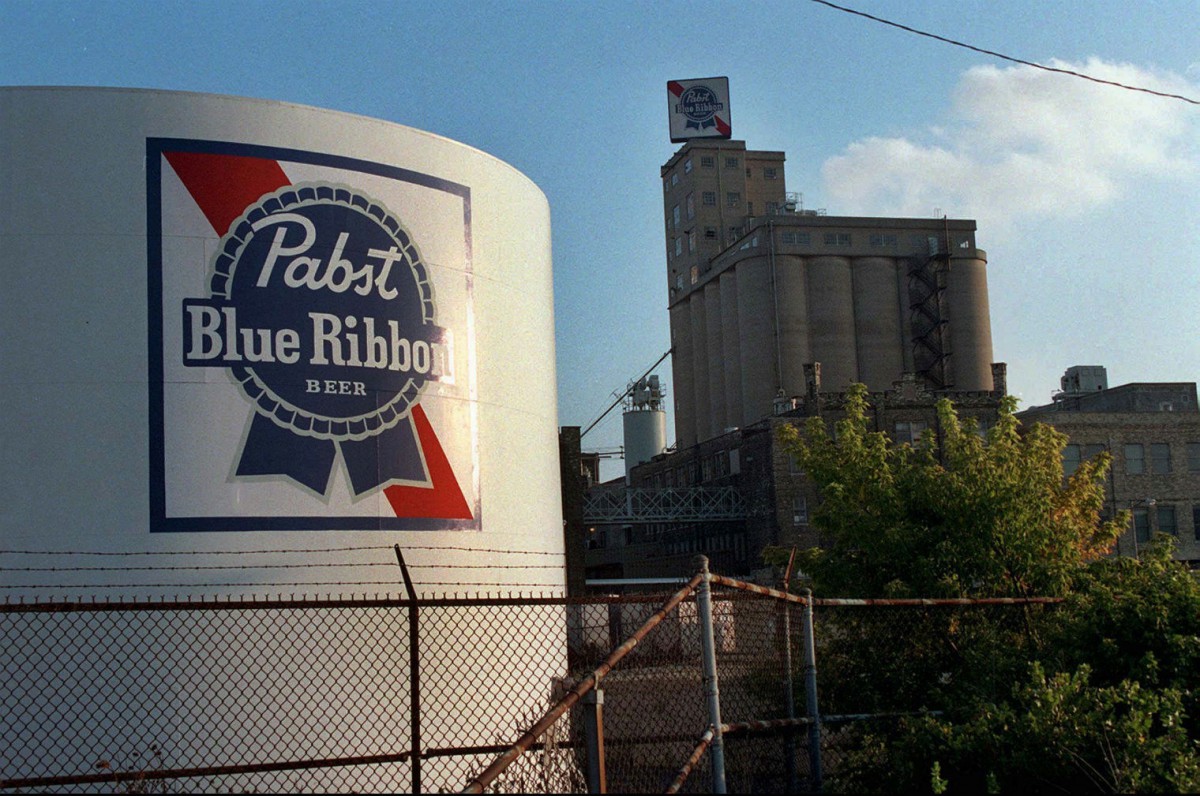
x=742, y=337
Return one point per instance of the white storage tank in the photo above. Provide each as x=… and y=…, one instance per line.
x=233, y=326
x=233, y=323
x=644, y=422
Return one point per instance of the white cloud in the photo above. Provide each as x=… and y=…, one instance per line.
x=1019, y=141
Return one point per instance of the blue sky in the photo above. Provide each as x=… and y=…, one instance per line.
x=1087, y=198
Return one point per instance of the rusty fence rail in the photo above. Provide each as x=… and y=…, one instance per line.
x=882, y=662
x=385, y=694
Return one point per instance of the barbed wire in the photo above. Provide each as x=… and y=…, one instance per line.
x=392, y=583
x=296, y=550
x=315, y=565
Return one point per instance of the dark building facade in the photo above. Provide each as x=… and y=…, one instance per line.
x=774, y=499
x=1152, y=431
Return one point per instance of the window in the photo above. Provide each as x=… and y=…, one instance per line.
x=1135, y=459
x=709, y=198
x=909, y=431
x=707, y=161
x=802, y=238
x=772, y=208
x=748, y=174
x=1070, y=459
x=695, y=274
x=734, y=233
x=691, y=205
x=770, y=173
x=691, y=236
x=679, y=281
x=1166, y=520
x=710, y=233
x=731, y=163
x=1141, y=524
x=733, y=198
x=666, y=184
x=1160, y=458
x=675, y=215
x=800, y=510
x=883, y=240
x=1196, y=521
x=687, y=166
x=675, y=179
x=1089, y=451
x=837, y=238
x=749, y=208
x=678, y=246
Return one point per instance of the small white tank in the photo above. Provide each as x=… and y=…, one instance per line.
x=645, y=423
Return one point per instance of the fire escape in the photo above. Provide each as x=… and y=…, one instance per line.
x=926, y=286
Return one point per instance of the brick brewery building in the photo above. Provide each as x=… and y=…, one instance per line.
x=774, y=311
x=1152, y=431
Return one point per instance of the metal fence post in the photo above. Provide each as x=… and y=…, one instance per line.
x=414, y=674
x=810, y=689
x=593, y=728
x=708, y=649
x=788, y=687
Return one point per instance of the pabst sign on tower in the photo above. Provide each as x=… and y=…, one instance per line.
x=698, y=108
x=311, y=319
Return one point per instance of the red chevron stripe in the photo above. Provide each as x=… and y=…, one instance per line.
x=225, y=185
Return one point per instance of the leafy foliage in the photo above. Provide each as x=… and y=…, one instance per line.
x=1055, y=733
x=959, y=515
x=1099, y=694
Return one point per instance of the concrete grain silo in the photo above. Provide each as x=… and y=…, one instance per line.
x=713, y=341
x=730, y=348
x=871, y=299
x=832, y=328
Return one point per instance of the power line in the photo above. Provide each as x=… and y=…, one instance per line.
x=666, y=354
x=1004, y=57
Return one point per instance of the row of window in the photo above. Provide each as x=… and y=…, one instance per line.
x=714, y=465
x=710, y=162
x=1166, y=520
x=735, y=542
x=1137, y=462
x=787, y=238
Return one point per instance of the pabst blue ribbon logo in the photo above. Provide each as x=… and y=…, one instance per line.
x=700, y=105
x=305, y=372
x=321, y=309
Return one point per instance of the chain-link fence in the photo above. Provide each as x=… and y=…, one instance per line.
x=386, y=695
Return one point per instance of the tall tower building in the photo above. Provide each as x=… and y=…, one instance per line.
x=758, y=288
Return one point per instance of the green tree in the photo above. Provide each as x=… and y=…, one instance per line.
x=960, y=514
x=1100, y=694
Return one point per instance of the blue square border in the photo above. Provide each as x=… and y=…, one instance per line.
x=159, y=521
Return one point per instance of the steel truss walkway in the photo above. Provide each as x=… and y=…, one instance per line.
x=691, y=504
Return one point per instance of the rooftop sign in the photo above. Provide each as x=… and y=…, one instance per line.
x=698, y=108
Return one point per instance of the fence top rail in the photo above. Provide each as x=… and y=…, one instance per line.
x=803, y=599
